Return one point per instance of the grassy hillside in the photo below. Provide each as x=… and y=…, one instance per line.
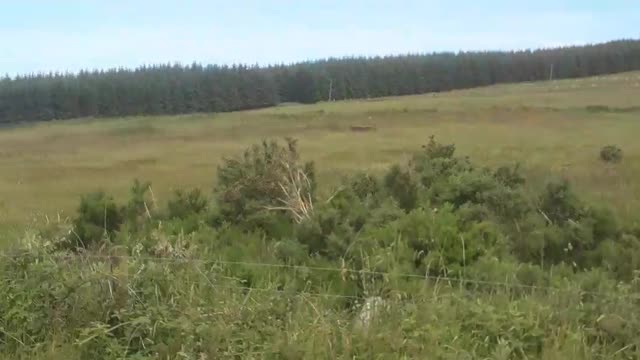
x=551, y=128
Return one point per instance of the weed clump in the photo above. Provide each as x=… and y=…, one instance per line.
x=611, y=154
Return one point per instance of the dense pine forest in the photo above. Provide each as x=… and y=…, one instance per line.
x=176, y=89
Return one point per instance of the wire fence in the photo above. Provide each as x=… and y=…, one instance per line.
x=340, y=270
x=212, y=308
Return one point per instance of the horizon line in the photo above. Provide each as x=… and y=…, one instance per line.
x=303, y=62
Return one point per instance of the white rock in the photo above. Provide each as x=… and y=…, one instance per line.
x=370, y=309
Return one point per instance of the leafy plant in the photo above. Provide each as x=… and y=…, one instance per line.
x=510, y=176
x=267, y=177
x=139, y=206
x=186, y=203
x=435, y=150
x=559, y=203
x=98, y=218
x=402, y=187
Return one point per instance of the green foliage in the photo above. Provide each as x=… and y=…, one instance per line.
x=187, y=211
x=364, y=185
x=291, y=252
x=559, y=203
x=436, y=163
x=186, y=203
x=138, y=208
x=441, y=246
x=267, y=177
x=330, y=230
x=98, y=219
x=435, y=150
x=453, y=253
x=464, y=188
x=611, y=154
x=509, y=176
x=402, y=187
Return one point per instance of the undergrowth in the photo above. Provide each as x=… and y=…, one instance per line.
x=438, y=258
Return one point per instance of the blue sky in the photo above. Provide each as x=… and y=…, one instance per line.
x=70, y=35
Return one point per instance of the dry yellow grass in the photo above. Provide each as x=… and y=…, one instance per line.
x=547, y=126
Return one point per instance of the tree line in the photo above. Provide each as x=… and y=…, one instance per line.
x=178, y=89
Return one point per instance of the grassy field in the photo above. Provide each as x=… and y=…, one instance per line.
x=552, y=128
x=438, y=259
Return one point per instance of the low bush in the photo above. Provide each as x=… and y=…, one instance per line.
x=187, y=203
x=98, y=218
x=402, y=187
x=611, y=154
x=267, y=177
x=139, y=207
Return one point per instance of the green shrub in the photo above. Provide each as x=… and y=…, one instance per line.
x=611, y=154
x=267, y=177
x=186, y=203
x=364, y=185
x=574, y=236
x=473, y=213
x=509, y=176
x=98, y=218
x=402, y=187
x=440, y=245
x=529, y=238
x=436, y=163
x=328, y=232
x=559, y=203
x=604, y=222
x=186, y=211
x=462, y=188
x=291, y=252
x=387, y=212
x=139, y=207
x=508, y=204
x=435, y=150
x=620, y=256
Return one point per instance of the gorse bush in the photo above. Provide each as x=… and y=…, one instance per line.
x=187, y=211
x=451, y=251
x=441, y=246
x=364, y=186
x=611, y=154
x=510, y=176
x=560, y=204
x=259, y=192
x=435, y=150
x=187, y=203
x=98, y=218
x=267, y=177
x=402, y=187
x=139, y=207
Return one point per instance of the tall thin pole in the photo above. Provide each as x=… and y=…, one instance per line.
x=551, y=73
x=330, y=89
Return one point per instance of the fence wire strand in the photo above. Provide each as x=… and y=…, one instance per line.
x=183, y=260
